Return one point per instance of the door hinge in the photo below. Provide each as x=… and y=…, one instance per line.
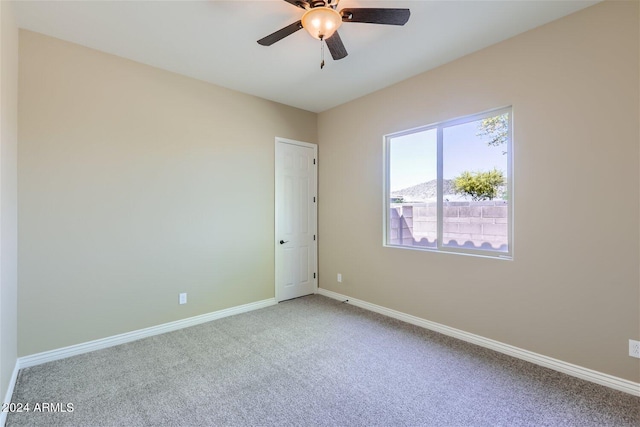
x=314, y=237
x=314, y=275
x=314, y=199
x=314, y=161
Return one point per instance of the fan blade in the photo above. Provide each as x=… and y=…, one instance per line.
x=334, y=43
x=299, y=3
x=376, y=15
x=280, y=34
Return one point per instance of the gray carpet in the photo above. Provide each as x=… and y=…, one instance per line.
x=312, y=362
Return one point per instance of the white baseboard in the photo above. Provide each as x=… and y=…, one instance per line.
x=9, y=394
x=61, y=353
x=538, y=359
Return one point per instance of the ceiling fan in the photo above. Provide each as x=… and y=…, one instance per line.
x=322, y=21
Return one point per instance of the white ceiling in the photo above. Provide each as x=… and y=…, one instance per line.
x=215, y=41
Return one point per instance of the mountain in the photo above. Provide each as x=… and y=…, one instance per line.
x=424, y=191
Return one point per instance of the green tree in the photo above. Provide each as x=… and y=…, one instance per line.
x=479, y=185
x=496, y=128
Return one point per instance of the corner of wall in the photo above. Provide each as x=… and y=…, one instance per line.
x=8, y=198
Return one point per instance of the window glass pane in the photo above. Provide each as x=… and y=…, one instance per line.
x=413, y=189
x=475, y=200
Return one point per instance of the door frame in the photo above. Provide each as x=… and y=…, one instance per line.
x=313, y=207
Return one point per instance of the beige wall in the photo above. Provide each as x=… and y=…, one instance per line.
x=136, y=184
x=8, y=194
x=572, y=290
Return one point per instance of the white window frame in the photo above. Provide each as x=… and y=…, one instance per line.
x=440, y=126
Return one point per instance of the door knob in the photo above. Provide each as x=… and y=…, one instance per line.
x=282, y=242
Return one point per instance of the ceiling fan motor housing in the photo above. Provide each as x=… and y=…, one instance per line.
x=321, y=3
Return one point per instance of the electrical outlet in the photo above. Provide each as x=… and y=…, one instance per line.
x=634, y=348
x=183, y=298
x=339, y=278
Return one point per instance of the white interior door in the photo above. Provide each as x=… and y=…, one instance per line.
x=296, y=219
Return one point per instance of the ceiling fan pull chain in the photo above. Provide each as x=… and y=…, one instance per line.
x=321, y=52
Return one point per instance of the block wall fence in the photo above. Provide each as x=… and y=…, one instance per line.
x=468, y=224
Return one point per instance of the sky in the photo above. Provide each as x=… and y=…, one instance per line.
x=463, y=150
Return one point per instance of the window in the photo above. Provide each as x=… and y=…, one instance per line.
x=449, y=186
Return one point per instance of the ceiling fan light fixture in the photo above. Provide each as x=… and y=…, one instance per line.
x=321, y=22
